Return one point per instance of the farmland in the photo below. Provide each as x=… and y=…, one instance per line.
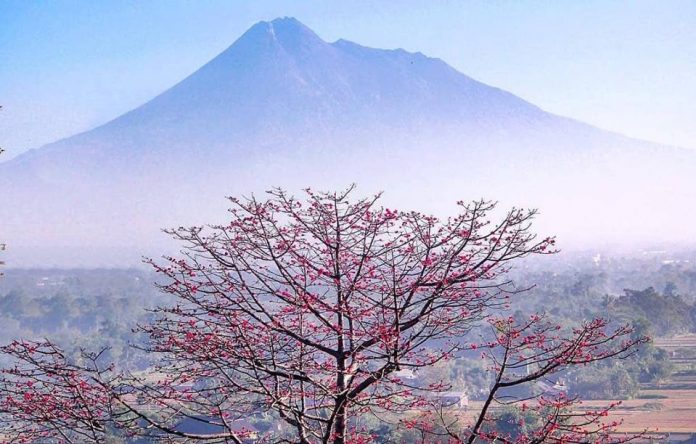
x=668, y=407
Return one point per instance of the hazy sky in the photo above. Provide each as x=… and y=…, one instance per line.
x=627, y=66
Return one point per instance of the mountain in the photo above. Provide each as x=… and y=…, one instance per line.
x=283, y=107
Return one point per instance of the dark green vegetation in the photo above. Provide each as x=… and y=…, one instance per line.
x=78, y=308
x=656, y=292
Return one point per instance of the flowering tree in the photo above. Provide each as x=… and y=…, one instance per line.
x=308, y=311
x=522, y=353
x=46, y=398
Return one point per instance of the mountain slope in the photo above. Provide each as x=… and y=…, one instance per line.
x=283, y=107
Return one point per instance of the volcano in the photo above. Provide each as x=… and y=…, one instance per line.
x=282, y=107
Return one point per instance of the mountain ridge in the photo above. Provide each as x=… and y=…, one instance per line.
x=268, y=26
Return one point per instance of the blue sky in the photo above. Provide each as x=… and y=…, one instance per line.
x=627, y=66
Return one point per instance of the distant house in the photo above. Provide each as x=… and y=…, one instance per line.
x=547, y=388
x=201, y=425
x=453, y=399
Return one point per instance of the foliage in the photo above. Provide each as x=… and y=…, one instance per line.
x=605, y=382
x=668, y=313
x=78, y=308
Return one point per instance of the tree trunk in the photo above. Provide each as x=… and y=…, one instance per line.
x=340, y=423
